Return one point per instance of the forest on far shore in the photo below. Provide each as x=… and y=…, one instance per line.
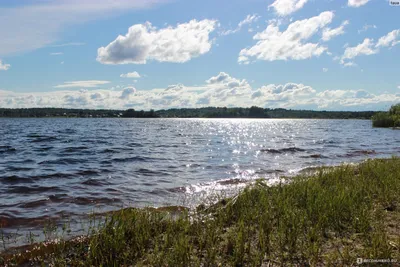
x=208, y=112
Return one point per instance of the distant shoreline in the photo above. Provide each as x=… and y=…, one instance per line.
x=209, y=112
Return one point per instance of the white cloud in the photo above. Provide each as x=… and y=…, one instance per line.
x=329, y=33
x=134, y=74
x=291, y=44
x=349, y=64
x=357, y=3
x=390, y=39
x=226, y=80
x=82, y=84
x=39, y=24
x=362, y=94
x=366, y=27
x=56, y=54
x=247, y=21
x=172, y=44
x=127, y=92
x=4, y=66
x=369, y=47
x=287, y=7
x=220, y=90
x=365, y=48
x=325, y=69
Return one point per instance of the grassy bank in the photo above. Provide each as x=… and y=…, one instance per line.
x=333, y=216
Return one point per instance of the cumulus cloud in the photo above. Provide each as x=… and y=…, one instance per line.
x=127, y=92
x=36, y=24
x=325, y=69
x=219, y=90
x=4, y=66
x=287, y=7
x=247, y=21
x=362, y=94
x=329, y=33
x=357, y=3
x=82, y=84
x=96, y=96
x=272, y=44
x=390, y=39
x=145, y=42
x=226, y=80
x=134, y=74
x=369, y=47
x=365, y=48
x=283, y=93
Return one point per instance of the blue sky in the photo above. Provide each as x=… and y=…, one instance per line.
x=323, y=55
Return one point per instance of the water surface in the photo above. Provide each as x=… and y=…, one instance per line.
x=51, y=168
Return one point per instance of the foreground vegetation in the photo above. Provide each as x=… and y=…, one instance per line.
x=329, y=217
x=387, y=119
x=208, y=112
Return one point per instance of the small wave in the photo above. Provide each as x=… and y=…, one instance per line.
x=95, y=141
x=180, y=189
x=47, y=148
x=67, y=131
x=147, y=172
x=53, y=175
x=13, y=179
x=22, y=162
x=234, y=181
x=356, y=153
x=134, y=145
x=40, y=139
x=32, y=189
x=58, y=197
x=130, y=159
x=92, y=200
x=283, y=150
x=314, y=156
x=16, y=169
x=74, y=149
x=109, y=150
x=166, y=146
x=34, y=204
x=7, y=149
x=88, y=172
x=94, y=182
x=271, y=171
x=64, y=161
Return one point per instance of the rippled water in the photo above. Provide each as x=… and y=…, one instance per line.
x=55, y=167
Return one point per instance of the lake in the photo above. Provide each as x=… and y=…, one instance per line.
x=53, y=168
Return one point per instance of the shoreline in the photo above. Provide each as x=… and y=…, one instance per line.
x=318, y=218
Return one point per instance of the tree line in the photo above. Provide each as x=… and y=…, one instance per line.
x=387, y=119
x=207, y=112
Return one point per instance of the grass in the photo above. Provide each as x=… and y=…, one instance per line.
x=330, y=217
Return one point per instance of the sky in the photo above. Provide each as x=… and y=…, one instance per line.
x=160, y=54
